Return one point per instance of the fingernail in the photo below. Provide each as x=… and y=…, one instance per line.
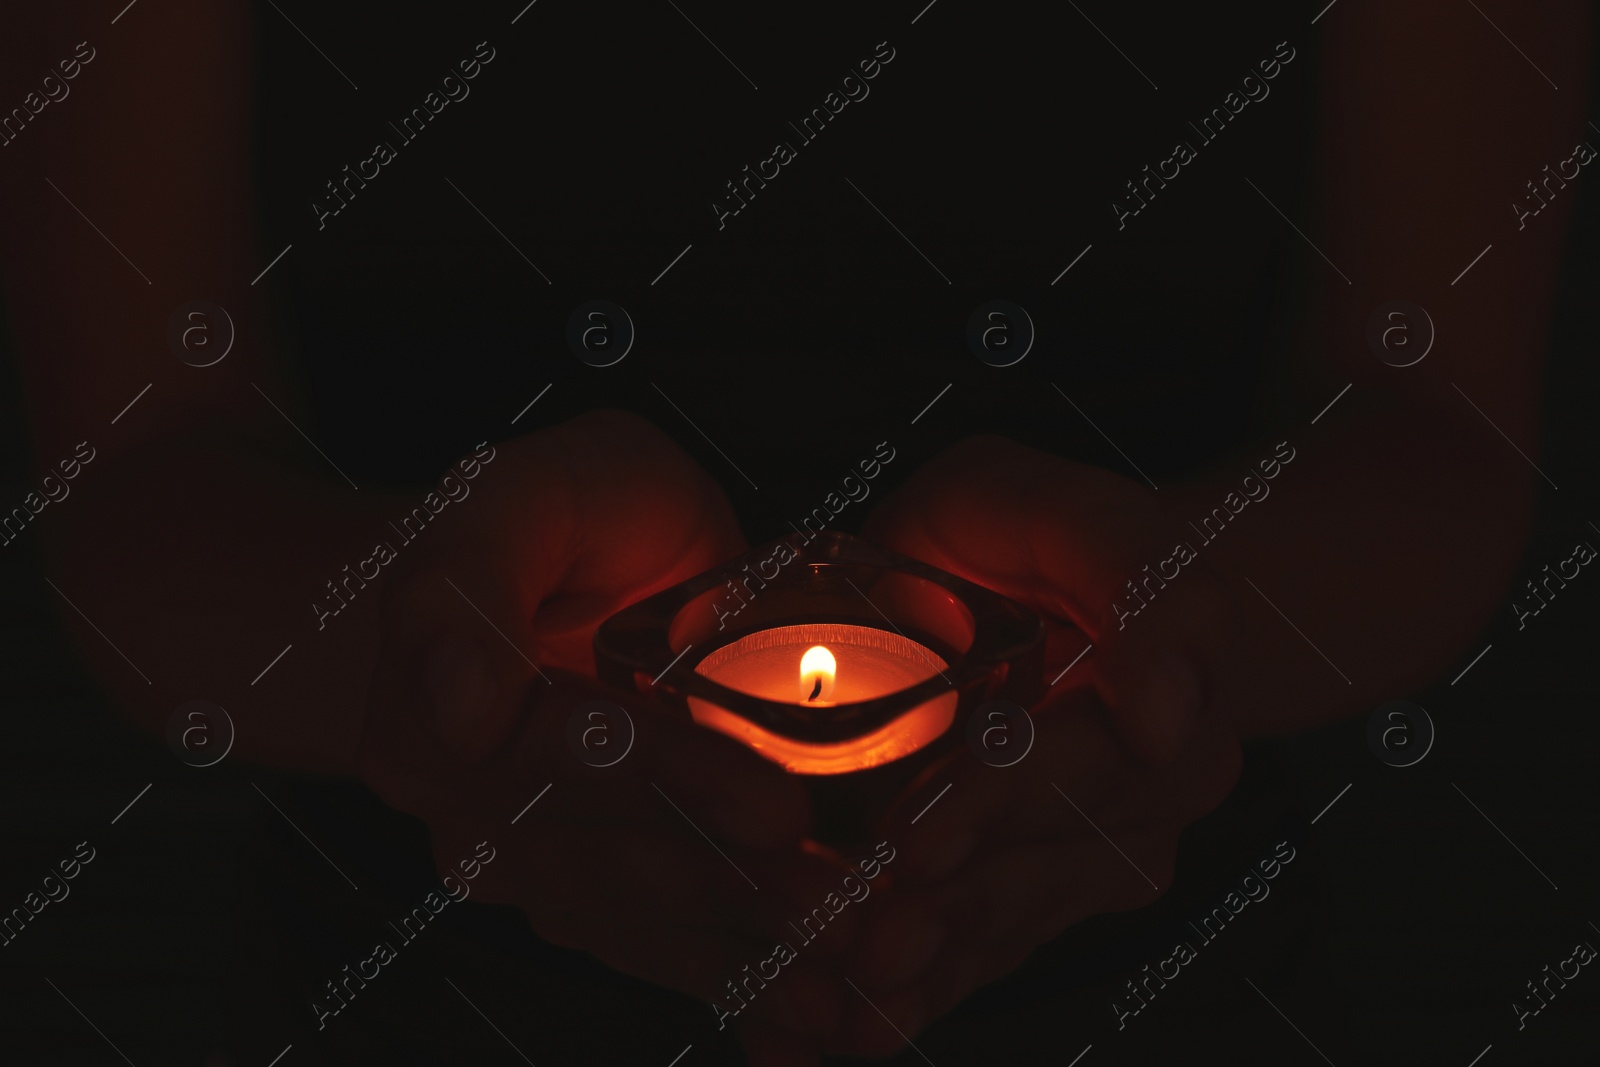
x=460, y=689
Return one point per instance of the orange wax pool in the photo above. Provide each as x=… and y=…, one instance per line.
x=826, y=664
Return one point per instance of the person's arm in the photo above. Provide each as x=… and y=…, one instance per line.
x=1386, y=540
x=1393, y=535
x=203, y=529
x=204, y=526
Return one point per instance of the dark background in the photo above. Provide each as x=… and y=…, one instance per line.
x=797, y=338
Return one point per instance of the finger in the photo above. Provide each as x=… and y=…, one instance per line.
x=1049, y=533
x=678, y=878
x=1071, y=745
x=1079, y=789
x=652, y=909
x=1151, y=682
x=697, y=962
x=770, y=1046
x=710, y=782
x=605, y=837
x=900, y=939
x=628, y=473
x=879, y=1024
x=456, y=855
x=1076, y=542
x=988, y=922
x=547, y=549
x=1038, y=893
x=626, y=513
x=746, y=798
x=804, y=1000
x=662, y=875
x=610, y=836
x=1162, y=671
x=623, y=842
x=453, y=662
x=1033, y=892
x=741, y=980
x=408, y=761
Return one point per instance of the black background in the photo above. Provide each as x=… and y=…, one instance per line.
x=797, y=338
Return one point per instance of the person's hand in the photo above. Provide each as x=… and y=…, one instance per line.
x=1132, y=743
x=486, y=653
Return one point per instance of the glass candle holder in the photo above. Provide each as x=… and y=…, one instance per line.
x=847, y=664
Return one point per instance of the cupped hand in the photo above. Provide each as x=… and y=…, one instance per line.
x=1132, y=743
x=652, y=863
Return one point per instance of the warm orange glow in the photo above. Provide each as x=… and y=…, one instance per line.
x=862, y=663
x=911, y=731
x=817, y=671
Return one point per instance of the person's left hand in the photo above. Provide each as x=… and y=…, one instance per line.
x=651, y=863
x=1131, y=745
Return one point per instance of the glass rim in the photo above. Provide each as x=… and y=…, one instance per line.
x=635, y=642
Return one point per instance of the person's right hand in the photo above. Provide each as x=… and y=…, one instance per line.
x=651, y=864
x=1127, y=750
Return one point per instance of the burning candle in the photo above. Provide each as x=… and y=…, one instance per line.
x=827, y=665
x=856, y=710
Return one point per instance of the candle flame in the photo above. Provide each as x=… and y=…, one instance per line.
x=817, y=670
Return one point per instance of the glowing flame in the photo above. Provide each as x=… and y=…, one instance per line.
x=817, y=668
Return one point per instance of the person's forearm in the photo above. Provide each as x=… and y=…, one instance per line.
x=201, y=559
x=198, y=536
x=1386, y=543
x=125, y=199
x=1430, y=127
x=1391, y=538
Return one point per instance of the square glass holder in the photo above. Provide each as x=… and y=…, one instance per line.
x=975, y=645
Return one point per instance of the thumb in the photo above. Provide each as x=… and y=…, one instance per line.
x=1155, y=695
x=1160, y=670
x=457, y=655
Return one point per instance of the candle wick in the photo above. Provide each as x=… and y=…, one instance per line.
x=816, y=689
